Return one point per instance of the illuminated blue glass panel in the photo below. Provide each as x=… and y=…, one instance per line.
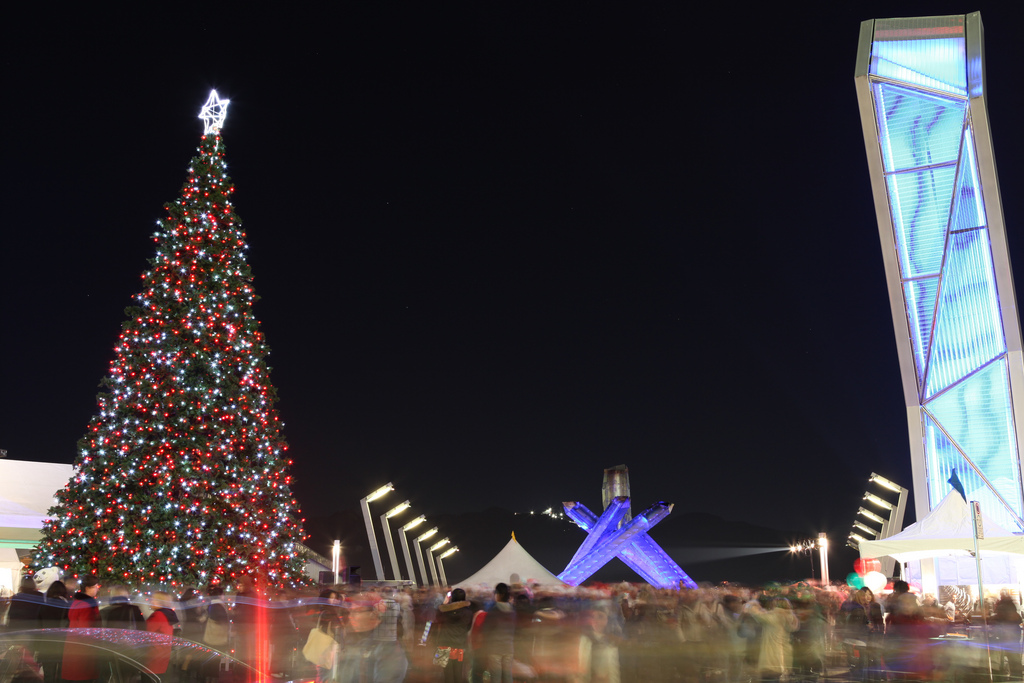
x=943, y=458
x=920, y=296
x=940, y=63
x=969, y=208
x=917, y=129
x=976, y=414
x=928, y=51
x=968, y=330
x=920, y=210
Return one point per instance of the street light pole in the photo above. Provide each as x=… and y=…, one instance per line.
x=419, y=553
x=823, y=551
x=430, y=558
x=364, y=504
x=440, y=563
x=405, y=546
x=387, y=536
x=336, y=560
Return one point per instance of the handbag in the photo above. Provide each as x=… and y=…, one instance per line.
x=441, y=656
x=320, y=648
x=215, y=634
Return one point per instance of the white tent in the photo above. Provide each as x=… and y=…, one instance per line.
x=27, y=491
x=947, y=536
x=946, y=531
x=512, y=565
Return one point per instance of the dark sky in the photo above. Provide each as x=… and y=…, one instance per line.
x=498, y=249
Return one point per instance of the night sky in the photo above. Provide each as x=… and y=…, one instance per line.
x=499, y=248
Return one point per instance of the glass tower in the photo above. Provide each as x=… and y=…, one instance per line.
x=921, y=93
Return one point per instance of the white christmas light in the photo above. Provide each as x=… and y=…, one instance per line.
x=213, y=113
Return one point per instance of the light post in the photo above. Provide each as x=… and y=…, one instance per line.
x=364, y=503
x=387, y=536
x=823, y=552
x=430, y=558
x=405, y=545
x=336, y=560
x=419, y=553
x=440, y=564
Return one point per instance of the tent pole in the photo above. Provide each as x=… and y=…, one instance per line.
x=979, y=533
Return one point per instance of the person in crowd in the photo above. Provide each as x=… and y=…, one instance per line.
x=243, y=619
x=53, y=614
x=477, y=656
x=497, y=635
x=876, y=628
x=121, y=613
x=393, y=663
x=54, y=611
x=777, y=623
x=216, y=631
x=163, y=621
x=361, y=658
x=694, y=619
x=218, y=622
x=809, y=639
x=854, y=627
x=452, y=624
x=329, y=621
x=950, y=609
x=80, y=661
x=283, y=632
x=908, y=650
x=23, y=614
x=193, y=611
x=1006, y=633
x=598, y=653
x=899, y=588
x=193, y=626
x=409, y=631
x=750, y=630
x=733, y=643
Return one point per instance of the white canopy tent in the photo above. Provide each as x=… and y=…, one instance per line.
x=27, y=491
x=947, y=535
x=512, y=565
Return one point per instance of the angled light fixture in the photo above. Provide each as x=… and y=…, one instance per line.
x=419, y=553
x=364, y=505
x=872, y=498
x=405, y=546
x=430, y=558
x=386, y=526
x=870, y=515
x=882, y=481
x=440, y=563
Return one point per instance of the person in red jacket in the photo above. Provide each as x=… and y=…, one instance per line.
x=79, y=662
x=164, y=621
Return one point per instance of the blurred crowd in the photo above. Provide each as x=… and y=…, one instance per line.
x=499, y=634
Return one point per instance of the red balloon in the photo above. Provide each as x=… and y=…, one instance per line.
x=864, y=565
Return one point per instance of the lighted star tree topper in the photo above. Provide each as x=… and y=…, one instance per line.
x=182, y=476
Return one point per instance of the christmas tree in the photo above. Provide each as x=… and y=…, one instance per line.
x=182, y=476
